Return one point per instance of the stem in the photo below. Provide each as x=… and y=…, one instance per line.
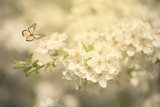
x=53, y=60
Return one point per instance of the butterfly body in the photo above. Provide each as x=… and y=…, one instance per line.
x=29, y=33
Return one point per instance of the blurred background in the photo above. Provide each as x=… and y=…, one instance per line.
x=69, y=16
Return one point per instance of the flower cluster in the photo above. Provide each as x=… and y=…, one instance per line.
x=139, y=44
x=96, y=55
x=92, y=59
x=55, y=42
x=99, y=56
x=133, y=36
x=98, y=46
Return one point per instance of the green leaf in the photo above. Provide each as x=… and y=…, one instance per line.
x=27, y=73
x=27, y=69
x=56, y=53
x=47, y=66
x=30, y=58
x=35, y=64
x=52, y=65
x=85, y=47
x=85, y=61
x=20, y=64
x=89, y=47
x=65, y=55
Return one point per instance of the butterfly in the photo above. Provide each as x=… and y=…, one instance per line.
x=29, y=33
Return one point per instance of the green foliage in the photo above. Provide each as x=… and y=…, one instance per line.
x=47, y=65
x=28, y=66
x=35, y=64
x=50, y=65
x=88, y=47
x=31, y=66
x=19, y=64
x=57, y=53
x=30, y=70
x=85, y=61
x=60, y=53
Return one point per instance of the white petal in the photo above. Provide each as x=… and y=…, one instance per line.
x=128, y=42
x=130, y=52
x=103, y=83
x=71, y=66
x=112, y=69
x=107, y=77
x=93, y=79
x=42, y=51
x=88, y=76
x=147, y=50
x=97, y=70
x=156, y=43
x=91, y=62
x=103, y=66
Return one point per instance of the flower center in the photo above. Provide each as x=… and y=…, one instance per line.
x=77, y=54
x=99, y=62
x=100, y=52
x=77, y=61
x=143, y=45
x=44, y=47
x=56, y=38
x=133, y=36
x=120, y=27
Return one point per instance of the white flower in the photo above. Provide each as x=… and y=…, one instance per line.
x=44, y=47
x=130, y=51
x=102, y=82
x=102, y=79
x=58, y=37
x=75, y=61
x=56, y=41
x=97, y=62
x=98, y=65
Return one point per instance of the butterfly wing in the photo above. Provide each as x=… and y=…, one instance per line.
x=31, y=29
x=29, y=33
x=29, y=38
x=26, y=33
x=38, y=36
